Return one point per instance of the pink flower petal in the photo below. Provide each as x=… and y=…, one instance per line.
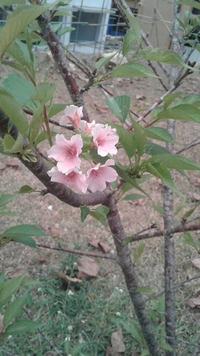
x=66, y=152
x=105, y=139
x=72, y=115
x=74, y=179
x=99, y=175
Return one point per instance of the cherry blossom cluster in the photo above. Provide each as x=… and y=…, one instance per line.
x=67, y=153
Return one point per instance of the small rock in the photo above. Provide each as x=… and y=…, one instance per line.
x=196, y=262
x=117, y=341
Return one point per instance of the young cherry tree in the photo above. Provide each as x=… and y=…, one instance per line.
x=24, y=124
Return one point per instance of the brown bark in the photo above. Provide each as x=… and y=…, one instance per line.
x=59, y=57
x=129, y=272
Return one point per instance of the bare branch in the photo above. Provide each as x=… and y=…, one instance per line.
x=189, y=145
x=78, y=252
x=59, y=57
x=123, y=8
x=159, y=232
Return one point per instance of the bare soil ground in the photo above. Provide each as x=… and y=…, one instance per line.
x=62, y=222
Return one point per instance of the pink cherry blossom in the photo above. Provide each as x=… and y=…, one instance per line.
x=72, y=115
x=105, y=139
x=75, y=179
x=98, y=175
x=66, y=153
x=87, y=126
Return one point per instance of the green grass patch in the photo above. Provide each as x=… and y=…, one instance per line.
x=78, y=320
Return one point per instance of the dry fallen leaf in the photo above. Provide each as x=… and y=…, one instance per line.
x=94, y=242
x=2, y=166
x=67, y=278
x=100, y=244
x=87, y=267
x=196, y=262
x=19, y=272
x=193, y=302
x=105, y=247
x=140, y=97
x=117, y=341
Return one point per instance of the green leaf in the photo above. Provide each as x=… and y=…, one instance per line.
x=12, y=2
x=5, y=198
x=13, y=146
x=44, y=92
x=132, y=328
x=103, y=61
x=155, y=149
x=133, y=197
x=165, y=346
x=55, y=109
x=25, y=189
x=36, y=123
x=20, y=88
x=65, y=29
x=168, y=99
x=120, y=106
x=14, y=309
x=175, y=162
x=25, y=230
x=132, y=69
x=11, y=108
x=191, y=3
x=126, y=138
x=135, y=26
x=139, y=137
x=128, y=41
x=100, y=214
x=8, y=288
x=20, y=52
x=158, y=55
x=84, y=213
x=17, y=23
x=4, y=211
x=189, y=212
x=163, y=173
x=28, y=241
x=21, y=327
x=158, y=133
x=186, y=112
x=188, y=240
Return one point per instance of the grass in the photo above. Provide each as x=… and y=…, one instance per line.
x=78, y=320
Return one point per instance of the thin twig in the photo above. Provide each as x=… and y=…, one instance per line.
x=158, y=102
x=111, y=94
x=123, y=8
x=188, y=146
x=176, y=287
x=69, y=127
x=46, y=120
x=180, y=228
x=78, y=252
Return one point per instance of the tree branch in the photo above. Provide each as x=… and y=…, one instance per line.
x=62, y=192
x=59, y=57
x=160, y=232
x=78, y=252
x=128, y=269
x=123, y=8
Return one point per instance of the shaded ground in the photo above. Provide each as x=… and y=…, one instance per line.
x=62, y=222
